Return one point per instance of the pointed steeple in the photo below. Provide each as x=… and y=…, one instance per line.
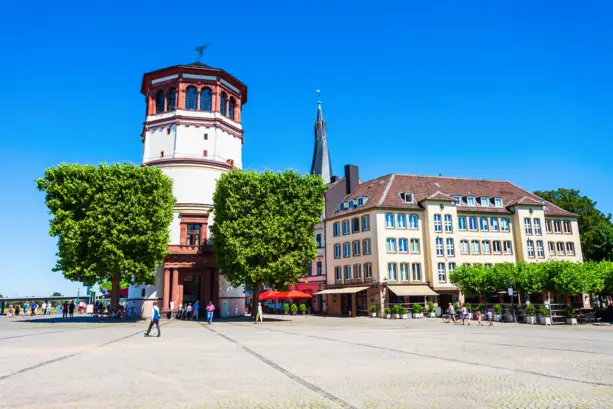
x=321, y=157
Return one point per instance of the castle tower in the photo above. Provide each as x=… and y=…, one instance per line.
x=193, y=132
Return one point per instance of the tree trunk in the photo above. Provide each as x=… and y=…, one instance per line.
x=257, y=287
x=115, y=289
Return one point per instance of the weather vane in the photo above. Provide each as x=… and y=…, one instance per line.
x=318, y=94
x=200, y=50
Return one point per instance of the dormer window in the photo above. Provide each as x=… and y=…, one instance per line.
x=407, y=197
x=350, y=204
x=360, y=201
x=341, y=206
x=485, y=201
x=470, y=200
x=458, y=200
x=498, y=202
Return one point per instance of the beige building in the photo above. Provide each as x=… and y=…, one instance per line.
x=396, y=238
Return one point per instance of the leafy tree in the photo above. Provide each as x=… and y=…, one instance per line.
x=111, y=221
x=108, y=285
x=263, y=230
x=598, y=242
x=56, y=294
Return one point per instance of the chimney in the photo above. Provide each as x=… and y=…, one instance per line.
x=352, y=178
x=333, y=179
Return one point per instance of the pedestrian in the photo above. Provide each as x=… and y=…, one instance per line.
x=179, y=312
x=259, y=315
x=209, y=312
x=155, y=319
x=189, y=311
x=465, y=314
x=11, y=311
x=65, y=309
x=490, y=315
x=451, y=312
x=479, y=323
x=71, y=308
x=16, y=309
x=196, y=309
x=25, y=308
x=33, y=308
x=43, y=307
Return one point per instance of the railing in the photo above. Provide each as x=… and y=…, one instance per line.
x=188, y=249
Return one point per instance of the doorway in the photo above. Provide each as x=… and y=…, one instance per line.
x=191, y=288
x=345, y=304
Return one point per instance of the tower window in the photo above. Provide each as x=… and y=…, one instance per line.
x=193, y=234
x=206, y=99
x=172, y=99
x=168, y=131
x=205, y=153
x=191, y=98
x=231, y=107
x=159, y=102
x=230, y=162
x=206, y=136
x=161, y=154
x=223, y=104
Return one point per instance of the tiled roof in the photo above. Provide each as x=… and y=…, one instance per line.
x=384, y=192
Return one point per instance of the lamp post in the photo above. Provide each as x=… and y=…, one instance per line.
x=78, y=292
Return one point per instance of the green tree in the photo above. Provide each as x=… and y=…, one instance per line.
x=111, y=221
x=590, y=219
x=56, y=294
x=263, y=230
x=108, y=285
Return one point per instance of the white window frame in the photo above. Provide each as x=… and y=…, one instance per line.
x=470, y=201
x=353, y=225
x=548, y=226
x=528, y=226
x=367, y=270
x=357, y=271
x=563, y=251
x=406, y=245
x=566, y=223
x=338, y=273
x=403, y=217
x=487, y=247
x=530, y=248
x=536, y=222
x=450, y=267
x=505, y=225
x=464, y=247
x=494, y=224
x=413, y=217
x=483, y=219
x=365, y=223
x=442, y=273
x=450, y=247
x=416, y=271
x=458, y=200
x=496, y=243
x=356, y=248
x=570, y=248
x=392, y=271
x=439, y=247
x=540, y=251
x=475, y=245
x=507, y=246
x=476, y=220
x=390, y=221
x=448, y=223
x=405, y=272
x=551, y=248
x=346, y=249
x=412, y=247
x=347, y=272
x=366, y=247
x=347, y=224
x=484, y=201
x=336, y=229
x=338, y=254
x=438, y=225
x=390, y=245
x=498, y=202
x=360, y=201
x=557, y=226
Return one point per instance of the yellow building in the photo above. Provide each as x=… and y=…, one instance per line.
x=401, y=236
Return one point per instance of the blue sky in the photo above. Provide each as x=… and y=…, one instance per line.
x=506, y=90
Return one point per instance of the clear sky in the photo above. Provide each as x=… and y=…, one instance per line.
x=517, y=90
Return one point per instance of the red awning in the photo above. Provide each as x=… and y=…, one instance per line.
x=291, y=295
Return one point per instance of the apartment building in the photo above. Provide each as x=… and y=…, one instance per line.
x=396, y=238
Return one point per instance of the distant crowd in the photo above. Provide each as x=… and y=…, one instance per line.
x=45, y=308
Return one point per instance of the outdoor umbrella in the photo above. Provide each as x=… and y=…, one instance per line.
x=267, y=294
x=293, y=295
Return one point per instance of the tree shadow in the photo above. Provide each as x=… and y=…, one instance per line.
x=76, y=319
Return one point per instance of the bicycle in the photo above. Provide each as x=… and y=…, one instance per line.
x=447, y=317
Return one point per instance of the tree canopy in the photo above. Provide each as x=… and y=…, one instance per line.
x=595, y=227
x=111, y=221
x=263, y=229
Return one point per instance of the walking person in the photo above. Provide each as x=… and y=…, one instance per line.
x=189, y=310
x=16, y=309
x=179, y=312
x=490, y=316
x=65, y=309
x=155, y=319
x=451, y=312
x=209, y=312
x=71, y=308
x=259, y=316
x=33, y=308
x=196, y=309
x=25, y=308
x=11, y=311
x=479, y=323
x=465, y=314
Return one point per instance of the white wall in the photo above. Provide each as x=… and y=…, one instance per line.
x=193, y=184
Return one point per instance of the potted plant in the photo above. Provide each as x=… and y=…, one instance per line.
x=469, y=308
x=286, y=309
x=497, y=312
x=431, y=312
x=404, y=314
x=530, y=314
x=373, y=311
x=456, y=306
x=388, y=313
x=396, y=311
x=303, y=309
x=294, y=309
x=571, y=318
x=544, y=318
x=418, y=311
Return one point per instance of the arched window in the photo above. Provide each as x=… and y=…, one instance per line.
x=191, y=98
x=172, y=99
x=159, y=102
x=231, y=106
x=206, y=99
x=223, y=102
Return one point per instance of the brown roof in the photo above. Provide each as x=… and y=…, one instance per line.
x=384, y=192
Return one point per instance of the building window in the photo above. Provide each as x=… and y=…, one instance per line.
x=487, y=247
x=494, y=223
x=458, y=200
x=350, y=203
x=557, y=226
x=439, y=247
x=484, y=224
x=404, y=271
x=206, y=99
x=442, y=277
x=356, y=248
x=191, y=98
x=485, y=201
x=462, y=223
x=345, y=227
x=527, y=225
x=231, y=106
x=451, y=268
x=346, y=250
x=530, y=249
x=391, y=245
x=336, y=229
x=438, y=227
x=470, y=200
x=223, y=107
x=413, y=222
x=318, y=240
x=548, y=226
x=560, y=247
x=464, y=247
x=498, y=201
x=337, y=251
x=360, y=201
x=143, y=292
x=570, y=249
x=508, y=247
x=552, y=248
x=366, y=246
x=403, y=245
x=194, y=232
x=416, y=270
x=392, y=272
x=472, y=223
x=476, y=247
x=504, y=224
x=450, y=248
x=537, y=227
x=415, y=246
x=367, y=270
x=205, y=153
x=357, y=271
x=365, y=223
x=402, y=221
x=567, y=227
x=389, y=220
x=448, y=225
x=347, y=272
x=406, y=197
x=496, y=248
x=338, y=273
x=206, y=137
x=540, y=251
x=172, y=99
x=161, y=154
x=159, y=102
x=355, y=225
x=319, y=268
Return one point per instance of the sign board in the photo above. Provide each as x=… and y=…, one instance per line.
x=511, y=292
x=90, y=309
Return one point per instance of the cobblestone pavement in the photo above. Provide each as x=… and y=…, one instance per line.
x=304, y=362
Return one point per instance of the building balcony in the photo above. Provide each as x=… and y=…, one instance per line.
x=190, y=249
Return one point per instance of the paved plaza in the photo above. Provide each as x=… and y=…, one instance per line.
x=304, y=362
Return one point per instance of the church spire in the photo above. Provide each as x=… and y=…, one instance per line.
x=321, y=157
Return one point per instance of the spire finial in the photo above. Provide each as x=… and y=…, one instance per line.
x=318, y=97
x=200, y=50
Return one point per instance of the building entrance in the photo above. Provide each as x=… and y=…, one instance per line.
x=191, y=288
x=345, y=304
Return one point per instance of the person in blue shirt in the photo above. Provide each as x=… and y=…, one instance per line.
x=155, y=319
x=196, y=309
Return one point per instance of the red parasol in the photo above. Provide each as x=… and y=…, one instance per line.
x=293, y=294
x=266, y=295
